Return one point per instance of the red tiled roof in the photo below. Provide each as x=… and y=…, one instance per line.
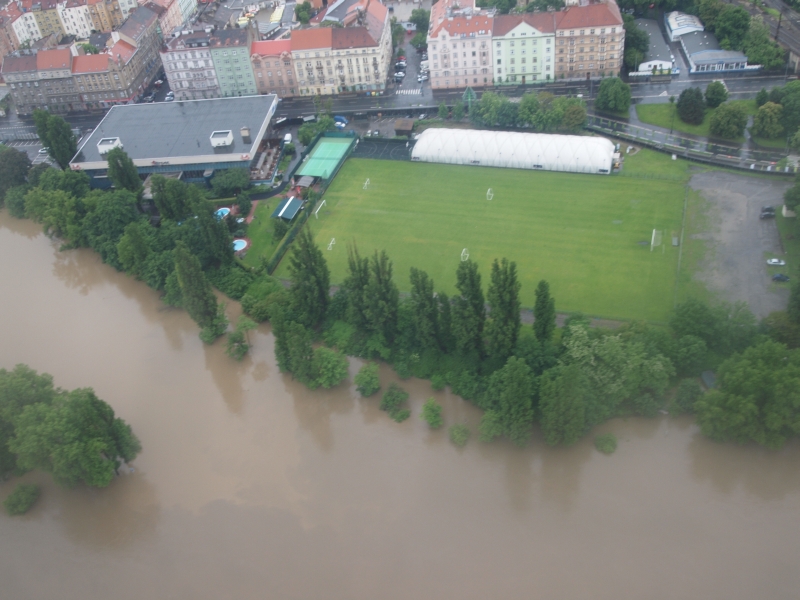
x=351, y=37
x=593, y=15
x=270, y=47
x=90, y=63
x=541, y=21
x=458, y=25
x=19, y=64
x=309, y=39
x=12, y=11
x=123, y=51
x=53, y=59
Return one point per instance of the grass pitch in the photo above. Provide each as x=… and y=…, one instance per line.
x=587, y=235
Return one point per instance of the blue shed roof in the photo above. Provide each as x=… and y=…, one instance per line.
x=288, y=209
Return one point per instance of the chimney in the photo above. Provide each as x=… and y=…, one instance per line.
x=246, y=135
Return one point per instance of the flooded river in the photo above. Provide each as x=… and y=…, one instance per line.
x=250, y=486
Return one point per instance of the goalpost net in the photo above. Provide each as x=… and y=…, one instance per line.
x=366, y=184
x=489, y=194
x=464, y=255
x=330, y=246
x=656, y=238
x=316, y=212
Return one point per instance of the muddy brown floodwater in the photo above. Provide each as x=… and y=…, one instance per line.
x=250, y=486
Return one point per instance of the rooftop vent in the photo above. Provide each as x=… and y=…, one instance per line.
x=245, y=134
x=221, y=139
x=107, y=144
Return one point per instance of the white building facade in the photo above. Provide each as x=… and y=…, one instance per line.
x=523, y=48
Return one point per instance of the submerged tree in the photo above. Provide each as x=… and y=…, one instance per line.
x=197, y=296
x=310, y=280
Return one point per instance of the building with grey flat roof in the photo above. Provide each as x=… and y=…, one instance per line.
x=704, y=53
x=659, y=56
x=195, y=137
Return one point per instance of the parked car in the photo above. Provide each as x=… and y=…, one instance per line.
x=149, y=98
x=767, y=209
x=422, y=77
x=767, y=215
x=776, y=262
x=400, y=66
x=399, y=74
x=44, y=150
x=158, y=82
x=780, y=277
x=422, y=116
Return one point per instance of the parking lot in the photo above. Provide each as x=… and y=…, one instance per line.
x=739, y=242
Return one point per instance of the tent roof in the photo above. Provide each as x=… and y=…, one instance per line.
x=288, y=209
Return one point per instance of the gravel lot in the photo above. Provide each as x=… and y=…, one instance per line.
x=739, y=242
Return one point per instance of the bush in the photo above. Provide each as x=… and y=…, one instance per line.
x=15, y=201
x=217, y=328
x=438, y=382
x=432, y=413
x=613, y=95
x=716, y=94
x=393, y=398
x=689, y=391
x=367, y=380
x=401, y=415
x=728, y=121
x=21, y=499
x=237, y=345
x=606, y=443
x=459, y=434
x=330, y=367
x=691, y=106
x=279, y=228
x=289, y=149
x=233, y=281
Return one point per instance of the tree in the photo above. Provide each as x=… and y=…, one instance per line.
x=293, y=350
x=367, y=380
x=731, y=27
x=355, y=285
x=503, y=328
x=107, y=216
x=36, y=171
x=469, y=311
x=757, y=397
x=691, y=106
x=381, y=298
x=425, y=310
x=230, y=182
x=310, y=276
x=528, y=110
x=76, y=438
x=614, y=95
x=170, y=197
x=767, y=122
x=432, y=413
x=574, y=116
x=133, y=249
x=563, y=392
x=761, y=50
x=708, y=11
x=762, y=97
x=244, y=204
x=716, y=94
x=790, y=100
x=329, y=368
x=238, y=343
x=122, y=171
x=793, y=309
x=443, y=112
x=420, y=40
x=421, y=18
x=89, y=48
x=56, y=135
x=15, y=200
x=728, y=121
x=637, y=43
x=511, y=399
x=21, y=499
x=14, y=167
x=303, y=12
x=198, y=297
x=458, y=110
x=544, y=313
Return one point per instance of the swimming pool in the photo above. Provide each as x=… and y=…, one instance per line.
x=239, y=245
x=223, y=212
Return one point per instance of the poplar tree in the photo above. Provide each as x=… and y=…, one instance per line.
x=510, y=411
x=503, y=295
x=381, y=297
x=544, y=313
x=198, y=298
x=355, y=284
x=444, y=323
x=469, y=310
x=425, y=309
x=310, y=280
x=122, y=172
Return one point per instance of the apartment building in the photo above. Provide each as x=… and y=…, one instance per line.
x=8, y=38
x=45, y=12
x=272, y=67
x=460, y=45
x=41, y=80
x=169, y=14
x=189, y=67
x=187, y=8
x=590, y=41
x=523, y=48
x=105, y=14
x=26, y=28
x=75, y=18
x=230, y=53
x=312, y=60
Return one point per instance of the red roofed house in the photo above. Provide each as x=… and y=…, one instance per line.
x=311, y=56
x=272, y=67
x=8, y=38
x=523, y=48
x=590, y=40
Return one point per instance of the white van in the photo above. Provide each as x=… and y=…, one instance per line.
x=287, y=139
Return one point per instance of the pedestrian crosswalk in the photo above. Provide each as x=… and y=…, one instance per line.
x=416, y=92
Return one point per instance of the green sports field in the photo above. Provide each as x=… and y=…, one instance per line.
x=588, y=235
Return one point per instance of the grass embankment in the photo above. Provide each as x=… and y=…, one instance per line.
x=588, y=235
x=661, y=115
x=262, y=242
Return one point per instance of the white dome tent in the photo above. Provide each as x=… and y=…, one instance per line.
x=572, y=153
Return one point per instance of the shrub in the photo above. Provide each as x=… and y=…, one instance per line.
x=367, y=380
x=459, y=434
x=438, y=382
x=728, y=121
x=21, y=499
x=232, y=280
x=606, y=443
x=401, y=415
x=330, y=367
x=237, y=345
x=646, y=405
x=217, y=327
x=691, y=106
x=716, y=94
x=393, y=398
x=689, y=391
x=432, y=413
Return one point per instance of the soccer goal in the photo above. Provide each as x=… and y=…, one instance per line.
x=330, y=246
x=316, y=212
x=464, y=255
x=490, y=194
x=366, y=184
x=656, y=238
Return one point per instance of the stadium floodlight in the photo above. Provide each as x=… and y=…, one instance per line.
x=330, y=246
x=366, y=184
x=655, y=240
x=464, y=255
x=489, y=194
x=316, y=212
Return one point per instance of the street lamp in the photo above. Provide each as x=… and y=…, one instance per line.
x=672, y=105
